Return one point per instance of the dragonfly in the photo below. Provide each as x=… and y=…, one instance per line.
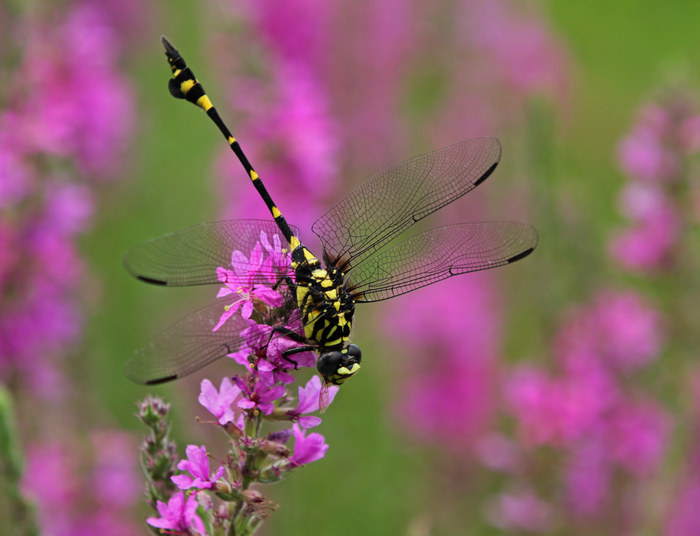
x=359, y=262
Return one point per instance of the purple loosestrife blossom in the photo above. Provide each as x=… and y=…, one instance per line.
x=178, y=515
x=307, y=449
x=654, y=156
x=197, y=464
x=54, y=147
x=612, y=437
x=241, y=281
x=309, y=402
x=219, y=402
x=66, y=120
x=57, y=475
x=260, y=398
x=447, y=399
x=241, y=406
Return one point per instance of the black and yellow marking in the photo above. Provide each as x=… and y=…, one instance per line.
x=184, y=85
x=358, y=264
x=327, y=309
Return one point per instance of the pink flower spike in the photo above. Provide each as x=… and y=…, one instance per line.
x=307, y=449
x=197, y=464
x=178, y=515
x=219, y=402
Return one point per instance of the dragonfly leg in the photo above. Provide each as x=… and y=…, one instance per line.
x=290, y=284
x=286, y=332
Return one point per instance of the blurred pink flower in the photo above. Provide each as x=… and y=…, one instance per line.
x=447, y=394
x=642, y=155
x=69, y=208
x=689, y=134
x=16, y=178
x=618, y=327
x=522, y=49
x=293, y=144
x=558, y=411
x=587, y=478
x=114, y=477
x=294, y=30
x=78, y=57
x=520, y=511
x=684, y=517
x=639, y=433
x=58, y=474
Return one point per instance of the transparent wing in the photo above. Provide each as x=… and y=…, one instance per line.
x=190, y=344
x=392, y=201
x=191, y=256
x=187, y=346
x=438, y=254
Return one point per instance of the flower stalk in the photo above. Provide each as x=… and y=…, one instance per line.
x=194, y=498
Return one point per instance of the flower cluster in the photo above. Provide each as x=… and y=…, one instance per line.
x=653, y=156
x=287, y=114
x=260, y=281
x=611, y=435
x=66, y=119
x=57, y=476
x=447, y=398
x=65, y=122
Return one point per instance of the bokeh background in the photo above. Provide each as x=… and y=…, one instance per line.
x=558, y=395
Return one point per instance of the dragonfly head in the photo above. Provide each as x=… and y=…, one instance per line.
x=338, y=365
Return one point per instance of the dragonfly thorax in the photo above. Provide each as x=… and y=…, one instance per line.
x=327, y=310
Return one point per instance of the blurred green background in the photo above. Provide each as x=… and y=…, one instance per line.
x=373, y=479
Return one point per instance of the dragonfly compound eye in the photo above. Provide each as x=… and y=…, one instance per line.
x=355, y=353
x=338, y=366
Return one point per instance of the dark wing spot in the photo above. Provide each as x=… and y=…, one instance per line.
x=521, y=255
x=162, y=380
x=485, y=175
x=151, y=281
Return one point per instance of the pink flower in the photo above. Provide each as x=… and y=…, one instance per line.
x=241, y=280
x=689, y=133
x=308, y=402
x=629, y=331
x=559, y=410
x=685, y=515
x=523, y=50
x=307, y=449
x=16, y=180
x=178, y=515
x=639, y=435
x=587, y=478
x=197, y=464
x=619, y=327
x=115, y=478
x=261, y=398
x=656, y=228
x=642, y=155
x=278, y=261
x=522, y=511
x=219, y=402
